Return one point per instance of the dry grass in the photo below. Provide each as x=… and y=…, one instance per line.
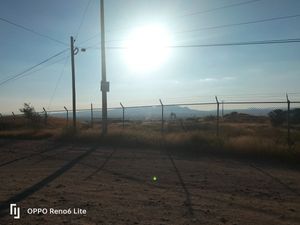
x=189, y=143
x=21, y=128
x=27, y=134
x=260, y=147
x=248, y=139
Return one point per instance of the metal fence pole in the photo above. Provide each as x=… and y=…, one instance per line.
x=14, y=116
x=92, y=115
x=162, y=115
x=288, y=120
x=46, y=115
x=218, y=115
x=222, y=109
x=67, y=115
x=123, y=109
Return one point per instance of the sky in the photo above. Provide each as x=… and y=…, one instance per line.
x=185, y=75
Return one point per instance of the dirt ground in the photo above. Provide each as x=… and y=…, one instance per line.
x=116, y=186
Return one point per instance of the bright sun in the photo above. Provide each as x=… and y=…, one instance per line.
x=146, y=48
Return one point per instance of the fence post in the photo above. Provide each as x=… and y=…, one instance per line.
x=46, y=115
x=92, y=115
x=123, y=109
x=218, y=115
x=67, y=115
x=222, y=109
x=162, y=116
x=14, y=116
x=288, y=120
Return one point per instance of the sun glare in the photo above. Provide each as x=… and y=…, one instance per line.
x=146, y=48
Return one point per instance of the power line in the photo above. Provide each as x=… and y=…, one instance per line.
x=239, y=24
x=202, y=11
x=39, y=69
x=32, y=31
x=83, y=18
x=90, y=38
x=57, y=82
x=211, y=27
x=21, y=74
x=184, y=15
x=263, y=42
x=219, y=8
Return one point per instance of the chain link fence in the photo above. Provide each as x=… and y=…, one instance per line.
x=276, y=121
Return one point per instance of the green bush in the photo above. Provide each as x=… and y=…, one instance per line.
x=31, y=115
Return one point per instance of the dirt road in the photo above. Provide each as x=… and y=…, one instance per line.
x=117, y=186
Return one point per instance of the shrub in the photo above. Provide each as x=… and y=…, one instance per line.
x=30, y=114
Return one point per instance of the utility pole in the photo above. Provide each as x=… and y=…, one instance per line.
x=73, y=52
x=104, y=83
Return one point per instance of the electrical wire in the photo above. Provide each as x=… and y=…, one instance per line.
x=23, y=73
x=46, y=66
x=184, y=15
x=239, y=24
x=83, y=18
x=57, y=83
x=210, y=27
x=263, y=42
x=219, y=8
x=32, y=31
x=63, y=69
x=199, y=12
